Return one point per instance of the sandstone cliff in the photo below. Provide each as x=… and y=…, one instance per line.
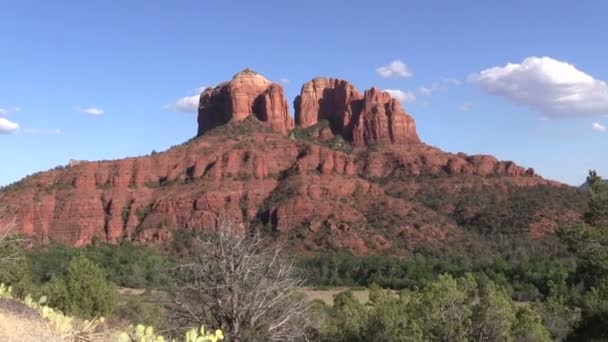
x=248, y=93
x=372, y=118
x=248, y=169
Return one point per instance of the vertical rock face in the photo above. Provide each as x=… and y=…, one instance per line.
x=328, y=99
x=320, y=193
x=382, y=120
x=372, y=118
x=247, y=93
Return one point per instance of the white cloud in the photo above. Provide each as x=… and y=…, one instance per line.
x=8, y=127
x=394, y=69
x=200, y=89
x=443, y=84
x=550, y=87
x=36, y=131
x=599, y=127
x=91, y=111
x=187, y=104
x=284, y=80
x=402, y=96
x=450, y=81
x=8, y=111
x=466, y=107
x=427, y=91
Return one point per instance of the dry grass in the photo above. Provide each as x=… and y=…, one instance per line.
x=325, y=295
x=328, y=295
x=20, y=323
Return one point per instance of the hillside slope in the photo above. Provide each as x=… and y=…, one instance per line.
x=354, y=175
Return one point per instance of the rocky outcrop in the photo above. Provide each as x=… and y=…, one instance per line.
x=336, y=101
x=248, y=93
x=382, y=120
x=252, y=178
x=369, y=119
x=303, y=186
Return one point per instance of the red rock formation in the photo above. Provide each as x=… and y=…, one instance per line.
x=372, y=118
x=327, y=99
x=247, y=93
x=382, y=120
x=319, y=195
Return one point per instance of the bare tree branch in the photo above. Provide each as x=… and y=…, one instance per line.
x=244, y=285
x=7, y=255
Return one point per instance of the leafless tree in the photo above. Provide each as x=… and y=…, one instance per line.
x=8, y=254
x=242, y=284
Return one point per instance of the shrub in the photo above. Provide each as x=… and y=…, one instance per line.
x=14, y=268
x=241, y=284
x=448, y=309
x=82, y=290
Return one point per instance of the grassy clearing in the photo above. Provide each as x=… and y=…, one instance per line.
x=327, y=295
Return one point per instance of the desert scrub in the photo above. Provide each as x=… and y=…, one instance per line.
x=82, y=290
x=142, y=333
x=6, y=292
x=66, y=327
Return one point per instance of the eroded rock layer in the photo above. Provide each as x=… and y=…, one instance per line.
x=305, y=186
x=248, y=93
x=369, y=119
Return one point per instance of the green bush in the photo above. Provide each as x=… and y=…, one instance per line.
x=14, y=267
x=82, y=290
x=528, y=279
x=125, y=265
x=136, y=309
x=447, y=309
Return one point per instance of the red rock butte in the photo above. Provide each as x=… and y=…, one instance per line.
x=248, y=93
x=372, y=118
x=249, y=164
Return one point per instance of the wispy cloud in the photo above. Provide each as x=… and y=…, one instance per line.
x=442, y=84
x=396, y=69
x=402, y=96
x=599, y=127
x=552, y=88
x=8, y=111
x=284, y=80
x=7, y=126
x=185, y=104
x=466, y=107
x=93, y=111
x=36, y=131
x=188, y=104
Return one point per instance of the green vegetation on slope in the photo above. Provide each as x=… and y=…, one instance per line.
x=448, y=309
x=514, y=290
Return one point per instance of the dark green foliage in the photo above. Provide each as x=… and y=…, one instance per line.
x=310, y=134
x=590, y=243
x=244, y=127
x=447, y=309
x=82, y=290
x=493, y=214
x=528, y=279
x=597, y=215
x=14, y=267
x=496, y=219
x=126, y=265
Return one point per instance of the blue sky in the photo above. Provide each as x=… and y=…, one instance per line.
x=100, y=80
